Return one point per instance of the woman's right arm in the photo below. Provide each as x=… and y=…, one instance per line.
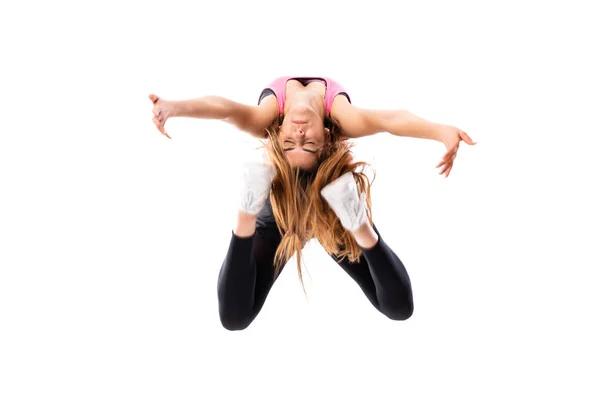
x=250, y=119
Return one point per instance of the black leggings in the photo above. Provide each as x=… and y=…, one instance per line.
x=247, y=275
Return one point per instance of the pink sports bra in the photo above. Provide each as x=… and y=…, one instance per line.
x=277, y=88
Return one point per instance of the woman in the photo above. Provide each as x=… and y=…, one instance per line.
x=305, y=122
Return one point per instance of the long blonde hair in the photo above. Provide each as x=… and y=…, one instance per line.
x=298, y=207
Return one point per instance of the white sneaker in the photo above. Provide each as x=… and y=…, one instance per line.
x=255, y=186
x=343, y=198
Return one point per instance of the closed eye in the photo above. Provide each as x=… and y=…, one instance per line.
x=307, y=150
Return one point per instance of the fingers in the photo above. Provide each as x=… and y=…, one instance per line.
x=158, y=119
x=160, y=127
x=450, y=155
x=466, y=138
x=447, y=162
x=158, y=116
x=447, y=168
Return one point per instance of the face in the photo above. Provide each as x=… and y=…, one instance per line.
x=302, y=137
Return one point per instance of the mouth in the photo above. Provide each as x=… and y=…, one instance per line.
x=299, y=122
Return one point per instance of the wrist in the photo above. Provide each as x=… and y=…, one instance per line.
x=437, y=132
x=178, y=108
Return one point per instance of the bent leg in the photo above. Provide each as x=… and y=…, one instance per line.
x=383, y=278
x=247, y=273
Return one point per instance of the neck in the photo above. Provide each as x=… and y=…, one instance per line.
x=307, y=99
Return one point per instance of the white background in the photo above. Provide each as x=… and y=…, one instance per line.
x=112, y=235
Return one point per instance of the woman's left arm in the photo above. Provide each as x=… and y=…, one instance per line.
x=358, y=122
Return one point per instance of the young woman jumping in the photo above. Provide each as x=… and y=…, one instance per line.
x=310, y=187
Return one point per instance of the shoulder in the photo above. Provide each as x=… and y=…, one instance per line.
x=340, y=106
x=265, y=113
x=341, y=112
x=344, y=112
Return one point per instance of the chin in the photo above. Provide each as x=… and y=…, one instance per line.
x=302, y=166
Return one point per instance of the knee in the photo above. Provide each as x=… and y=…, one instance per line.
x=234, y=320
x=234, y=324
x=399, y=312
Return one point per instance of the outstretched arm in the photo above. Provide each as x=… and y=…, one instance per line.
x=358, y=122
x=250, y=119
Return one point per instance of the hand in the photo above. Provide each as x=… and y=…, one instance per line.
x=451, y=137
x=162, y=111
